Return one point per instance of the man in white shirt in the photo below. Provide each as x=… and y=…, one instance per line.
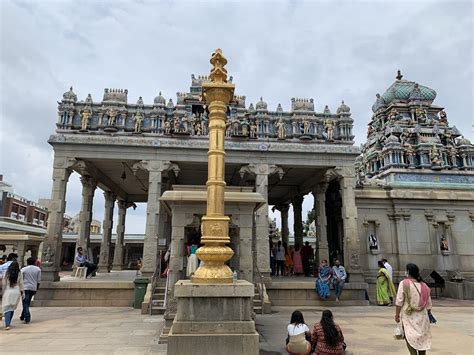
x=339, y=276
x=31, y=281
x=389, y=268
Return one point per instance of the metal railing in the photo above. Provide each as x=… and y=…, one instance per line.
x=260, y=283
x=154, y=281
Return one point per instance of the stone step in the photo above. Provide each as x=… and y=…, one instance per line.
x=157, y=310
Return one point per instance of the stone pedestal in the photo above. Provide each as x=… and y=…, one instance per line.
x=213, y=319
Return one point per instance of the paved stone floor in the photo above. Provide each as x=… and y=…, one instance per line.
x=369, y=330
x=120, y=330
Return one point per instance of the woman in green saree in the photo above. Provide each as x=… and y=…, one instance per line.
x=385, y=288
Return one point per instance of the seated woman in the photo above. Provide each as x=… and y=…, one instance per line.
x=327, y=336
x=384, y=286
x=323, y=280
x=298, y=332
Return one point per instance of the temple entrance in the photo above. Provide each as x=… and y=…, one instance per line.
x=334, y=223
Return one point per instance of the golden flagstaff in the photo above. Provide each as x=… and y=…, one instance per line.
x=215, y=226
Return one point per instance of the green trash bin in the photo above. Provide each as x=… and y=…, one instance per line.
x=140, y=290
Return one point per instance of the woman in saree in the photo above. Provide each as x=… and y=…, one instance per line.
x=323, y=280
x=297, y=262
x=385, y=288
x=413, y=304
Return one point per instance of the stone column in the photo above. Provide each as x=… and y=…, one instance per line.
x=52, y=245
x=284, y=222
x=262, y=249
x=150, y=246
x=298, y=219
x=349, y=216
x=117, y=264
x=106, y=244
x=85, y=216
x=319, y=193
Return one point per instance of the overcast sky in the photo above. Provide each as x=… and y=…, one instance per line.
x=326, y=50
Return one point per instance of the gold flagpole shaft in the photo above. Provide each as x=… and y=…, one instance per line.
x=215, y=226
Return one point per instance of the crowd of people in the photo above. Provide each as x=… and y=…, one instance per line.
x=288, y=260
x=18, y=284
x=413, y=312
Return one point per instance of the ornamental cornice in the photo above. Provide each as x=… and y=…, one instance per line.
x=201, y=143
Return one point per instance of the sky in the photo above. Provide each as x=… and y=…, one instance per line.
x=325, y=50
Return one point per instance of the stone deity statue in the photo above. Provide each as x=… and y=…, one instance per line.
x=421, y=114
x=392, y=117
x=410, y=153
x=112, y=115
x=453, y=155
x=197, y=129
x=85, y=117
x=167, y=126
x=443, y=243
x=281, y=129
x=176, y=125
x=435, y=156
x=235, y=126
x=443, y=118
x=253, y=129
x=329, y=126
x=306, y=126
x=184, y=124
x=373, y=242
x=138, y=119
x=48, y=256
x=228, y=129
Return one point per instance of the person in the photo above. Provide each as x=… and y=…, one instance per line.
x=82, y=260
x=327, y=337
x=289, y=261
x=31, y=281
x=3, y=260
x=192, y=258
x=388, y=267
x=280, y=259
x=13, y=289
x=298, y=335
x=272, y=258
x=339, y=278
x=384, y=286
x=10, y=258
x=413, y=303
x=297, y=263
x=390, y=273
x=306, y=254
x=323, y=280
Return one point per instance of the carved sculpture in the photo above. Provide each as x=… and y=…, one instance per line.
x=138, y=119
x=435, y=156
x=112, y=115
x=253, y=130
x=306, y=126
x=85, y=117
x=443, y=118
x=167, y=126
x=420, y=114
x=443, y=243
x=281, y=129
x=329, y=126
x=373, y=242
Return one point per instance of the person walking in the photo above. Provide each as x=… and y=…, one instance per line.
x=288, y=261
x=10, y=258
x=82, y=260
x=389, y=268
x=12, y=284
x=339, y=278
x=413, y=302
x=280, y=259
x=323, y=280
x=31, y=281
x=327, y=337
x=384, y=286
x=299, y=335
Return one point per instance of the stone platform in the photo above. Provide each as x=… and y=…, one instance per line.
x=106, y=290
x=299, y=291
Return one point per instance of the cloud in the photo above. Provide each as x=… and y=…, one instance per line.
x=327, y=50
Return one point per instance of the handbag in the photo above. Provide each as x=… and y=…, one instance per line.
x=398, y=332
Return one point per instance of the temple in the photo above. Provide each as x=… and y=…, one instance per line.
x=396, y=201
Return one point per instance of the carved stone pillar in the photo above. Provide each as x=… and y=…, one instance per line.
x=117, y=264
x=262, y=249
x=85, y=216
x=319, y=193
x=297, y=202
x=150, y=246
x=106, y=244
x=52, y=244
x=351, y=237
x=284, y=223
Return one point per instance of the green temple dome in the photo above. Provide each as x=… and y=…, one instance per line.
x=404, y=90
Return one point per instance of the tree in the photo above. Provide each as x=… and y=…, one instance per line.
x=310, y=217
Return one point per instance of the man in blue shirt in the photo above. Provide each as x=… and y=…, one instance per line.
x=82, y=260
x=339, y=277
x=10, y=258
